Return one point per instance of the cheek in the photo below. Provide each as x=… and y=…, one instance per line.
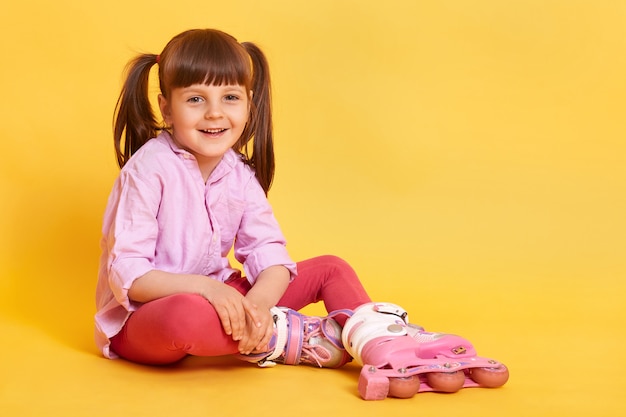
x=245, y=117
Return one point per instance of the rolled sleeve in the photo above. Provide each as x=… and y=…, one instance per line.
x=266, y=256
x=123, y=274
x=132, y=233
x=260, y=242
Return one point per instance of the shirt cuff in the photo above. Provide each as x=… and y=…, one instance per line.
x=123, y=273
x=269, y=255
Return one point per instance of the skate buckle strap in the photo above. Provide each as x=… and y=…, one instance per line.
x=280, y=321
x=388, y=308
x=296, y=336
x=266, y=364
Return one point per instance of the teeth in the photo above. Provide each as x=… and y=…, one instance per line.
x=213, y=130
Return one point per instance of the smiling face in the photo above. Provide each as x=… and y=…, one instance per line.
x=206, y=120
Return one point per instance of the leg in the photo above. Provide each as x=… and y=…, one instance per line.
x=300, y=339
x=329, y=279
x=314, y=340
x=166, y=330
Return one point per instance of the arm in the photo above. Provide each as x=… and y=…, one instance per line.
x=234, y=310
x=269, y=287
x=260, y=248
x=267, y=290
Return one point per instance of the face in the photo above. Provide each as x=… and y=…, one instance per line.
x=206, y=120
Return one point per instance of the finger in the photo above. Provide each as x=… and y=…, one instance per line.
x=224, y=317
x=249, y=340
x=246, y=345
x=262, y=347
x=265, y=340
x=238, y=322
x=252, y=311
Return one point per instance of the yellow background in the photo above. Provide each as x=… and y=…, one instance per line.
x=467, y=157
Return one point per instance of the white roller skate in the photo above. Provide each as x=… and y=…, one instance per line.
x=300, y=339
x=400, y=359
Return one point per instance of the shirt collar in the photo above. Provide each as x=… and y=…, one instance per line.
x=228, y=162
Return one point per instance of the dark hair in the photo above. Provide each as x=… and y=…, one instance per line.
x=199, y=56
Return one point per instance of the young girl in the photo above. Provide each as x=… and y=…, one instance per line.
x=189, y=191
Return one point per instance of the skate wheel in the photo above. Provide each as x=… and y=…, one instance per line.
x=404, y=387
x=446, y=381
x=490, y=377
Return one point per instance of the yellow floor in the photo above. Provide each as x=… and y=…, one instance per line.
x=567, y=362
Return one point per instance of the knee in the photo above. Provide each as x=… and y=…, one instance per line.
x=336, y=264
x=186, y=313
x=182, y=303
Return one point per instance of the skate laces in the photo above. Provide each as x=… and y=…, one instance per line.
x=314, y=353
x=300, y=339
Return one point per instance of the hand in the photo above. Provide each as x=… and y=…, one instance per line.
x=270, y=285
x=237, y=314
x=256, y=338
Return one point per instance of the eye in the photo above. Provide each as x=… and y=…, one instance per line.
x=231, y=97
x=194, y=99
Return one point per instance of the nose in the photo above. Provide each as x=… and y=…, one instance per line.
x=213, y=109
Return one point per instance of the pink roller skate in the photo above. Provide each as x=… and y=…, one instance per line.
x=400, y=359
x=300, y=339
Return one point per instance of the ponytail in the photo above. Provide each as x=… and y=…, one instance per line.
x=259, y=126
x=135, y=122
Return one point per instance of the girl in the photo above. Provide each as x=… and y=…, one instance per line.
x=190, y=190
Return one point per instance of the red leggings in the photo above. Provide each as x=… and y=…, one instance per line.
x=168, y=329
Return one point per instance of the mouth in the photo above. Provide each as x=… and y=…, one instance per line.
x=213, y=132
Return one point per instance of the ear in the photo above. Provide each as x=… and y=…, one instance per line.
x=165, y=109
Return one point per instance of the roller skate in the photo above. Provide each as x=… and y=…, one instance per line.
x=400, y=359
x=300, y=339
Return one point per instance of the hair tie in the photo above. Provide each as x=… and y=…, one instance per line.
x=158, y=59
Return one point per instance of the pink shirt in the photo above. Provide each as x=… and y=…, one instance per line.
x=161, y=215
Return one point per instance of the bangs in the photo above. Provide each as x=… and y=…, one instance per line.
x=205, y=57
